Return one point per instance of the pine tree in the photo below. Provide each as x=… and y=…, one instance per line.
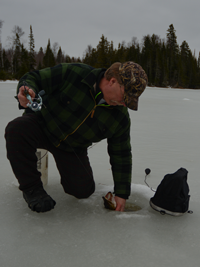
x=158, y=65
x=49, y=59
x=1, y=58
x=59, y=58
x=68, y=59
x=146, y=57
x=133, y=54
x=7, y=65
x=120, y=54
x=87, y=55
x=32, y=60
x=164, y=73
x=39, y=58
x=111, y=54
x=102, y=53
x=198, y=64
x=184, y=65
x=24, y=65
x=173, y=52
x=90, y=57
x=198, y=72
x=155, y=59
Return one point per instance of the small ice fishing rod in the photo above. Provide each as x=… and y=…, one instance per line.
x=34, y=105
x=147, y=171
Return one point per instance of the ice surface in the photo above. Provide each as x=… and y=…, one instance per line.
x=165, y=136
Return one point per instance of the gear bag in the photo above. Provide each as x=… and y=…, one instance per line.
x=172, y=195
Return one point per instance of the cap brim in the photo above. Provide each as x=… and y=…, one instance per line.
x=132, y=103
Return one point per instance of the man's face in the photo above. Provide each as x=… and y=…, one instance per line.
x=118, y=97
x=113, y=93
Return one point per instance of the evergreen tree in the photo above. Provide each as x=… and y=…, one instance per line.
x=39, y=59
x=59, y=58
x=67, y=59
x=164, y=74
x=49, y=59
x=120, y=54
x=90, y=57
x=133, y=51
x=151, y=59
x=1, y=58
x=164, y=62
x=7, y=66
x=78, y=60
x=146, y=61
x=32, y=60
x=87, y=55
x=158, y=64
x=155, y=59
x=184, y=65
x=172, y=54
x=111, y=54
x=24, y=66
x=102, y=53
x=198, y=64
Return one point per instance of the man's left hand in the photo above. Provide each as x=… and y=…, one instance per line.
x=120, y=202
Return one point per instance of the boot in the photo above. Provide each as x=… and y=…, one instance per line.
x=38, y=200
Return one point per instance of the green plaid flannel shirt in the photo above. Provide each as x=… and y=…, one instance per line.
x=72, y=120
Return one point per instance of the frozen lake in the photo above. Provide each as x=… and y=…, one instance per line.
x=165, y=136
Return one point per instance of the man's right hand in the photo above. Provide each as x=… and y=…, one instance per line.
x=22, y=95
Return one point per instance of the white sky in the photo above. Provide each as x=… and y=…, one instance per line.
x=76, y=24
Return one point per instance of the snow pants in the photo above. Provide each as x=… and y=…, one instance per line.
x=23, y=136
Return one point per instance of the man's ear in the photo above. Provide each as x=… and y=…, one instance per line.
x=112, y=81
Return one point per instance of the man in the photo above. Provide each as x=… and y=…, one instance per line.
x=81, y=105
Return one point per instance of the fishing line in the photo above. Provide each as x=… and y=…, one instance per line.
x=43, y=155
x=147, y=171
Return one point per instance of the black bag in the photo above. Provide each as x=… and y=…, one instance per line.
x=172, y=195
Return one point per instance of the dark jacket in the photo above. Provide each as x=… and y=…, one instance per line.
x=72, y=120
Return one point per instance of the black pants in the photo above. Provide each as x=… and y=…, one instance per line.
x=23, y=136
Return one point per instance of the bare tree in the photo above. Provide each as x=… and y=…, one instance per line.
x=55, y=48
x=15, y=31
x=1, y=25
x=18, y=30
x=88, y=51
x=1, y=49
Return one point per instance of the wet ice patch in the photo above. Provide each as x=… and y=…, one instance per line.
x=131, y=215
x=9, y=81
x=186, y=99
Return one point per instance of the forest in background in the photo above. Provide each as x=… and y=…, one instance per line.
x=166, y=63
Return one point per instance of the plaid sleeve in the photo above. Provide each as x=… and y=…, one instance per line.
x=47, y=79
x=55, y=78
x=119, y=150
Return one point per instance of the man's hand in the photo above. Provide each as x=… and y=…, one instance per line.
x=22, y=95
x=120, y=202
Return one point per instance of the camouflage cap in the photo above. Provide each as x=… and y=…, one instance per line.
x=134, y=80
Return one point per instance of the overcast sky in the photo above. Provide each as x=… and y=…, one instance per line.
x=75, y=24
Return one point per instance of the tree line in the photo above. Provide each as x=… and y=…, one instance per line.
x=166, y=63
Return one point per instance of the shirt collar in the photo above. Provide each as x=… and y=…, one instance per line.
x=99, y=98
